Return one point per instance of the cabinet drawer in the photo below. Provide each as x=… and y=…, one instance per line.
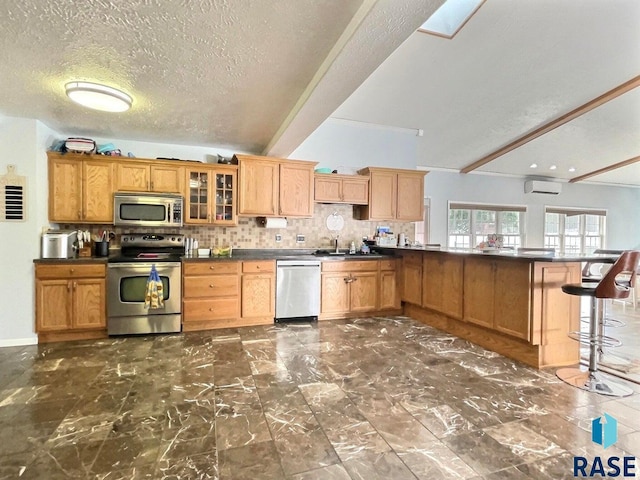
x=69, y=270
x=261, y=266
x=210, y=268
x=207, y=286
x=350, y=266
x=388, y=264
x=212, y=309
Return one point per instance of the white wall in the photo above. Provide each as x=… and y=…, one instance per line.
x=621, y=203
x=19, y=245
x=337, y=144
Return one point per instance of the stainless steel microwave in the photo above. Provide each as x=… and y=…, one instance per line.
x=147, y=209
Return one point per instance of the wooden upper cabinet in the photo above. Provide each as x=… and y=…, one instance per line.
x=259, y=182
x=97, y=198
x=334, y=188
x=65, y=189
x=410, y=196
x=211, y=195
x=133, y=177
x=296, y=189
x=393, y=195
x=167, y=179
x=80, y=190
x=143, y=176
x=274, y=187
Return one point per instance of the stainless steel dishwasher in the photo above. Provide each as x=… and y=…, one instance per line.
x=297, y=290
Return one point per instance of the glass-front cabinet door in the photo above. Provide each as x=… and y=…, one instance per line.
x=211, y=196
x=225, y=200
x=198, y=204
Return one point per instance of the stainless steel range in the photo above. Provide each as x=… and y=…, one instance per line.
x=127, y=276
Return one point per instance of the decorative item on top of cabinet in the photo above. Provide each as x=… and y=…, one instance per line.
x=211, y=195
x=394, y=194
x=80, y=189
x=274, y=187
x=334, y=188
x=70, y=301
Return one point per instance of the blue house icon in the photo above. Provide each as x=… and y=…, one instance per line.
x=604, y=430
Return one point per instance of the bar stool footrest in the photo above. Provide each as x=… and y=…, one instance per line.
x=600, y=340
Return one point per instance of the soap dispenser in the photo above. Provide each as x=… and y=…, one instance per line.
x=352, y=248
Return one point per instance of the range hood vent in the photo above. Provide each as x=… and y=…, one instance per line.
x=540, y=186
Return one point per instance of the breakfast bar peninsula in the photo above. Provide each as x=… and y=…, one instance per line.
x=505, y=302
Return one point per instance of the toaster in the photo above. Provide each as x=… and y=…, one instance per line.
x=59, y=244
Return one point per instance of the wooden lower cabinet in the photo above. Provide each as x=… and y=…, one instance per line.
x=442, y=284
x=210, y=294
x=70, y=301
x=497, y=295
x=220, y=294
x=389, y=296
x=258, y=292
x=412, y=278
x=354, y=287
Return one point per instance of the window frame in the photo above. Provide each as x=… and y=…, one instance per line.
x=499, y=209
x=561, y=244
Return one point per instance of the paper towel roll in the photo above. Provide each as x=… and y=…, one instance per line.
x=271, y=222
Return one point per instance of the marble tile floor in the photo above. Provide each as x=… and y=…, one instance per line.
x=370, y=398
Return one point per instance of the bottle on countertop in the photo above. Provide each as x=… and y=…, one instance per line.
x=402, y=241
x=352, y=248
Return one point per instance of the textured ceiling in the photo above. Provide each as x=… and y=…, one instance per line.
x=201, y=72
x=260, y=76
x=514, y=67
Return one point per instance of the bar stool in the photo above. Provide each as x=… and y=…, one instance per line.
x=614, y=287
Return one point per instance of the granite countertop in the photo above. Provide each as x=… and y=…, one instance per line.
x=78, y=260
x=288, y=254
x=506, y=253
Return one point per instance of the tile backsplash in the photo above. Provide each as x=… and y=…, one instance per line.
x=249, y=234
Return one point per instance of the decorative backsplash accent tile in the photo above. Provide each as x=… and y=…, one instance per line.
x=249, y=234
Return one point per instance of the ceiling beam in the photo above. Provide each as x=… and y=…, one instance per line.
x=606, y=169
x=567, y=117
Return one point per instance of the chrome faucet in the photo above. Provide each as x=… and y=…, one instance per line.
x=337, y=250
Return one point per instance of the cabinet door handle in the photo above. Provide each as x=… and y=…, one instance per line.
x=71, y=270
x=211, y=267
x=68, y=286
x=75, y=284
x=210, y=285
x=211, y=309
x=151, y=185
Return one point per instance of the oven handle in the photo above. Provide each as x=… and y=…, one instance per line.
x=143, y=266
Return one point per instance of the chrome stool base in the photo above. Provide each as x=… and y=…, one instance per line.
x=593, y=382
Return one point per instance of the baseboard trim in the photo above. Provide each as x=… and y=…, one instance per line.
x=19, y=342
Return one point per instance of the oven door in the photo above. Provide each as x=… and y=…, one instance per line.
x=127, y=285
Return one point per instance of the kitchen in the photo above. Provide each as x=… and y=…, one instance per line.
x=339, y=143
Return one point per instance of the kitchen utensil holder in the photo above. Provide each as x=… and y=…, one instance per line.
x=102, y=249
x=85, y=251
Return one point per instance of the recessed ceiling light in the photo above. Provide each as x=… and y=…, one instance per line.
x=98, y=97
x=533, y=165
x=572, y=169
x=552, y=167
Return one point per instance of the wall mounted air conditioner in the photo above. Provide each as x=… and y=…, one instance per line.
x=540, y=186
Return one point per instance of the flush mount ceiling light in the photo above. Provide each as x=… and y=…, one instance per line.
x=98, y=97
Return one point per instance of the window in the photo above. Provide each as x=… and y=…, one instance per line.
x=450, y=17
x=574, y=231
x=469, y=224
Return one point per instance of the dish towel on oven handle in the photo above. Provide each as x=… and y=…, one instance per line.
x=154, y=295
